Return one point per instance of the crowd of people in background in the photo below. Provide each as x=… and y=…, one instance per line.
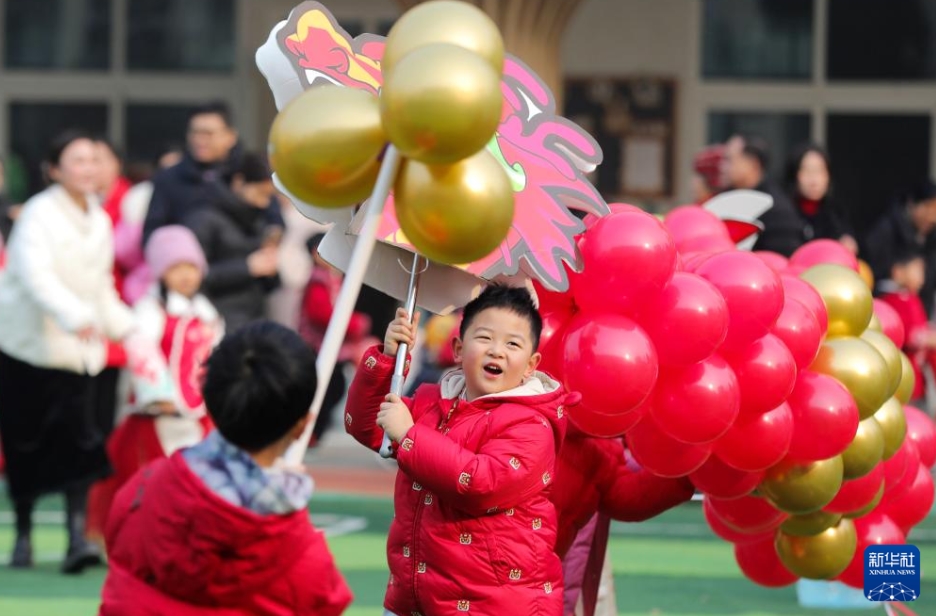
x=113, y=295
x=899, y=247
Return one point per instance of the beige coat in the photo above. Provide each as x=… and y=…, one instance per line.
x=59, y=280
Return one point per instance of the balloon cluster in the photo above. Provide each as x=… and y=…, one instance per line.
x=439, y=106
x=777, y=386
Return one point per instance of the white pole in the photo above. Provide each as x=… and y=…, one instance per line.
x=347, y=297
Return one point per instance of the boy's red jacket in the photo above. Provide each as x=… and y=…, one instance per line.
x=474, y=529
x=175, y=547
x=593, y=476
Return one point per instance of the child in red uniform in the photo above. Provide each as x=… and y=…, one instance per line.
x=474, y=529
x=902, y=293
x=176, y=328
x=218, y=528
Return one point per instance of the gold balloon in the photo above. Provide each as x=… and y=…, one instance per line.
x=802, y=488
x=441, y=104
x=893, y=424
x=846, y=296
x=859, y=367
x=891, y=354
x=444, y=21
x=907, y=380
x=864, y=270
x=810, y=523
x=865, y=451
x=875, y=323
x=325, y=145
x=457, y=213
x=867, y=508
x=822, y=556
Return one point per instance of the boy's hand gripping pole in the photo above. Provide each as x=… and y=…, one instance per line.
x=396, y=383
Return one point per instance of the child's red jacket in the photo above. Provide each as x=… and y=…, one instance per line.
x=175, y=547
x=474, y=528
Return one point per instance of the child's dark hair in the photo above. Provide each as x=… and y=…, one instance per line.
x=260, y=383
x=905, y=253
x=253, y=167
x=515, y=299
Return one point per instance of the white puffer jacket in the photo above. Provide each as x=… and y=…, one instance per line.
x=59, y=280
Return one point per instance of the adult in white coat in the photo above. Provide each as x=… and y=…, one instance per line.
x=58, y=307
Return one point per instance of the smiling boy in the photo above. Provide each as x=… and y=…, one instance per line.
x=474, y=529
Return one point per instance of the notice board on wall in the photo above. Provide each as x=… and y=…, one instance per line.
x=633, y=119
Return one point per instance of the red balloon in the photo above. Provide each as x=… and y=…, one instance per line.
x=692, y=260
x=661, y=454
x=798, y=289
x=755, y=443
x=710, y=245
x=601, y=425
x=910, y=508
x=857, y=493
x=698, y=403
x=891, y=324
x=759, y=562
x=799, y=330
x=900, y=469
x=717, y=479
x=872, y=529
x=825, y=417
x=726, y=532
x=821, y=251
x=688, y=223
x=627, y=257
x=600, y=349
x=748, y=514
x=615, y=208
x=766, y=373
x=551, y=346
x=922, y=431
x=774, y=260
x=687, y=321
x=752, y=291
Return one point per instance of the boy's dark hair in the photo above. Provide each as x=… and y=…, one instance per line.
x=253, y=167
x=219, y=108
x=515, y=299
x=261, y=380
x=904, y=254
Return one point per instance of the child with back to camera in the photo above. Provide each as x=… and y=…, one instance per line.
x=473, y=529
x=218, y=528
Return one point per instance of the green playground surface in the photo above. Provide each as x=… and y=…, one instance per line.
x=670, y=565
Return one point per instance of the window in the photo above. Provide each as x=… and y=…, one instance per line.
x=181, y=35
x=757, y=39
x=153, y=129
x=869, y=39
x=873, y=158
x=783, y=131
x=57, y=34
x=33, y=125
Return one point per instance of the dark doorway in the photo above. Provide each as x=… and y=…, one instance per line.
x=875, y=157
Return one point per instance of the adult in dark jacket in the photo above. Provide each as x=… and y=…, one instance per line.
x=746, y=159
x=909, y=222
x=808, y=182
x=202, y=178
x=240, y=245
